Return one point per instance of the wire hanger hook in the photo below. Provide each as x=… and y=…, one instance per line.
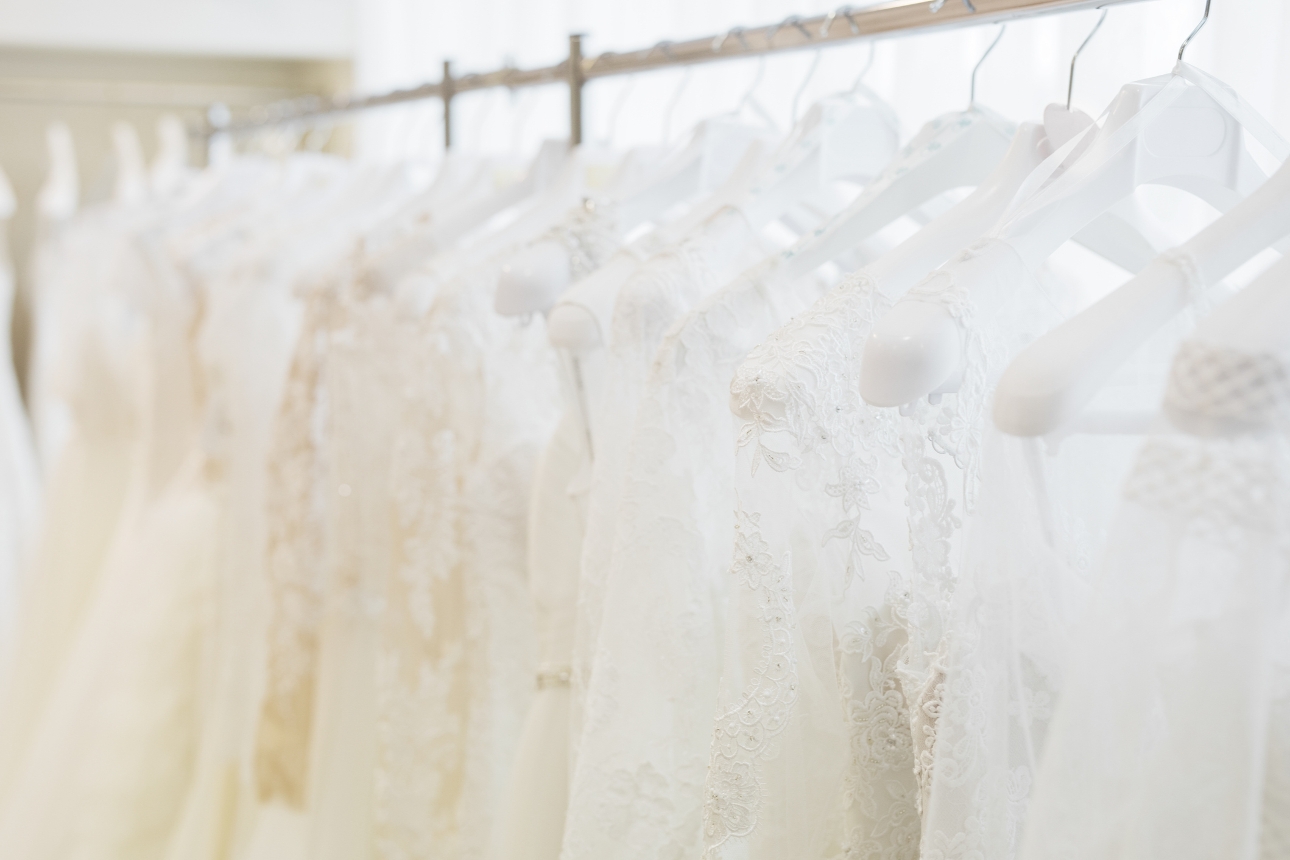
x=844, y=12
x=1204, y=19
x=790, y=21
x=977, y=67
x=666, y=48
x=937, y=4
x=810, y=73
x=1070, y=81
x=873, y=52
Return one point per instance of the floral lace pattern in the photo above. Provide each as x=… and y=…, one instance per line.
x=744, y=733
x=798, y=396
x=455, y=639
x=648, y=304
x=668, y=581
x=294, y=569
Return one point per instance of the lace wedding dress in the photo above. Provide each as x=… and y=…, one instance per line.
x=849, y=539
x=1042, y=523
x=426, y=658
x=646, y=733
x=1170, y=737
x=270, y=299
x=648, y=304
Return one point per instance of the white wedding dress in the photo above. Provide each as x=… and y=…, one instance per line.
x=659, y=294
x=644, y=746
x=1170, y=738
x=849, y=545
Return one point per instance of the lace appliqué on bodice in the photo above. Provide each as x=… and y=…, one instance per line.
x=744, y=733
x=798, y=394
x=957, y=426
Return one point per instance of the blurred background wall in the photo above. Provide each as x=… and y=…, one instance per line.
x=90, y=63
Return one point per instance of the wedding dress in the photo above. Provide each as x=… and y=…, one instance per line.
x=531, y=822
x=144, y=730
x=647, y=305
x=827, y=728
x=438, y=600
x=114, y=733
x=1169, y=739
x=645, y=739
x=97, y=377
x=263, y=301
x=19, y=474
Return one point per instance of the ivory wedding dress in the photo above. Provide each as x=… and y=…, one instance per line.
x=264, y=301
x=114, y=734
x=433, y=471
x=19, y=473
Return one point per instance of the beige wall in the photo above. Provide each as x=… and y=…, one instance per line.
x=243, y=28
x=91, y=90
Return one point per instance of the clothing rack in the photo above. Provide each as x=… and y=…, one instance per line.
x=792, y=34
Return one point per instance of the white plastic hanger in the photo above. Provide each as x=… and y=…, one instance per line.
x=957, y=150
x=1254, y=325
x=953, y=151
x=394, y=261
x=1184, y=130
x=836, y=139
x=59, y=196
x=533, y=281
x=171, y=164
x=580, y=318
x=8, y=200
x=1053, y=379
x=131, y=186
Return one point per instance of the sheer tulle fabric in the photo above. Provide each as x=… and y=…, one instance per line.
x=1179, y=749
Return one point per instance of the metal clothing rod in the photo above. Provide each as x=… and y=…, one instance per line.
x=896, y=17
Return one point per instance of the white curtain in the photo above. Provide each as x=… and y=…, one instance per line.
x=401, y=42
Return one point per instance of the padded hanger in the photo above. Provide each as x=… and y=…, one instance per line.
x=8, y=200
x=534, y=280
x=171, y=164
x=131, y=170
x=59, y=195
x=1185, y=130
x=838, y=138
x=1051, y=381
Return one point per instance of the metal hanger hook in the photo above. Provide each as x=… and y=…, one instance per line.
x=623, y=93
x=937, y=4
x=676, y=99
x=1204, y=19
x=977, y=67
x=1070, y=81
x=847, y=12
x=873, y=52
x=810, y=73
x=719, y=42
x=790, y=21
